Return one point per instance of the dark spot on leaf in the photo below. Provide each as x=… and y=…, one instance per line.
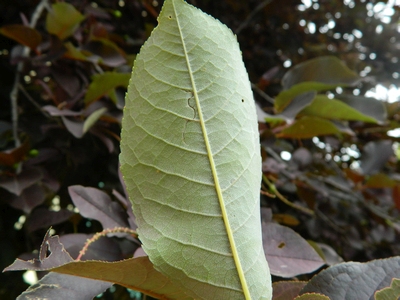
x=281, y=245
x=242, y=100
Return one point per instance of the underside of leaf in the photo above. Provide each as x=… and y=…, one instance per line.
x=190, y=158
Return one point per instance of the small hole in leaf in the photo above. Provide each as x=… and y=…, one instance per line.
x=242, y=100
x=281, y=245
x=170, y=17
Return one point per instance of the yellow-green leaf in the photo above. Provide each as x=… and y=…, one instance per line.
x=63, y=19
x=333, y=109
x=308, y=127
x=105, y=84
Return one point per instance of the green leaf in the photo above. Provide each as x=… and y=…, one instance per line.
x=389, y=293
x=284, y=98
x=24, y=35
x=329, y=70
x=312, y=296
x=368, y=106
x=308, y=127
x=333, y=109
x=93, y=118
x=63, y=19
x=105, y=84
x=191, y=160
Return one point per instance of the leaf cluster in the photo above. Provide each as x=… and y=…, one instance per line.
x=340, y=189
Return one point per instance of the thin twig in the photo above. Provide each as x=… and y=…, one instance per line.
x=275, y=191
x=104, y=233
x=29, y=97
x=246, y=22
x=262, y=93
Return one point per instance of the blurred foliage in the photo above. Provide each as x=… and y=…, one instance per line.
x=70, y=95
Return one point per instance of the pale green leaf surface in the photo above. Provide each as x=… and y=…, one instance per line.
x=93, y=118
x=190, y=158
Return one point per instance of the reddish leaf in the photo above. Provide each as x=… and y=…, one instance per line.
x=354, y=280
x=24, y=35
x=287, y=290
x=95, y=204
x=57, y=257
x=10, y=157
x=135, y=273
x=288, y=254
x=396, y=195
x=380, y=181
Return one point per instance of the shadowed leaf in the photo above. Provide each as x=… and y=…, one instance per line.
x=288, y=254
x=370, y=161
x=64, y=287
x=352, y=280
x=95, y=204
x=17, y=183
x=324, y=69
x=22, y=34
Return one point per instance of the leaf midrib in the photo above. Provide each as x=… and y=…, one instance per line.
x=218, y=189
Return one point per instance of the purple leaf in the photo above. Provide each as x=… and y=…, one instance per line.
x=95, y=204
x=58, y=256
x=17, y=183
x=104, y=249
x=75, y=128
x=29, y=199
x=353, y=280
x=128, y=205
x=288, y=254
x=44, y=218
x=63, y=287
x=55, y=112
